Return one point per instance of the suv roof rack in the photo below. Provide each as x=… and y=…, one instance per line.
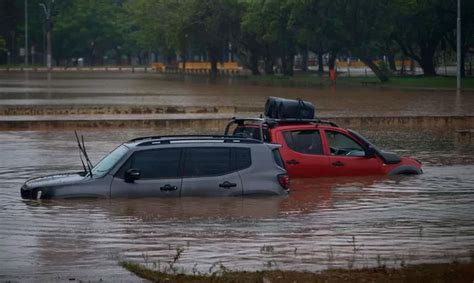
x=153, y=140
x=176, y=137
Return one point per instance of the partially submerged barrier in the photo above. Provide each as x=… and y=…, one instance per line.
x=216, y=122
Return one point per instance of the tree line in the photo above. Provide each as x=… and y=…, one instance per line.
x=261, y=33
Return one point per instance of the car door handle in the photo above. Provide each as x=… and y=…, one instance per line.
x=168, y=187
x=338, y=163
x=292, y=162
x=227, y=185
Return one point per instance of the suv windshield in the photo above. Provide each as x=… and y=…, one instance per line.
x=108, y=162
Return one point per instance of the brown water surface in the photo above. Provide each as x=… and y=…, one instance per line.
x=23, y=89
x=343, y=222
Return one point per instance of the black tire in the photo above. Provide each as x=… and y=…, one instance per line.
x=406, y=170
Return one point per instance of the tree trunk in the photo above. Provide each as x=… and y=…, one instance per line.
x=380, y=75
x=426, y=60
x=391, y=62
x=304, y=62
x=332, y=61
x=287, y=64
x=253, y=64
x=213, y=58
x=269, y=65
x=118, y=57
x=320, y=63
x=184, y=62
x=91, y=57
x=269, y=61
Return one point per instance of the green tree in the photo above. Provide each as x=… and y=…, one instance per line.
x=467, y=32
x=320, y=28
x=212, y=25
x=356, y=26
x=420, y=25
x=10, y=15
x=86, y=28
x=273, y=27
x=151, y=26
x=366, y=23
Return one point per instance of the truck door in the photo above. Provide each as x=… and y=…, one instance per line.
x=303, y=154
x=348, y=157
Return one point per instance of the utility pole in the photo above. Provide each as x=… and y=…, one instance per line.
x=47, y=11
x=458, y=49
x=26, y=32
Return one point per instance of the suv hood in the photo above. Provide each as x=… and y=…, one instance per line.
x=54, y=180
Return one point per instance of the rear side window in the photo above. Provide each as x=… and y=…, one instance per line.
x=277, y=158
x=207, y=162
x=154, y=164
x=307, y=142
x=242, y=158
x=215, y=161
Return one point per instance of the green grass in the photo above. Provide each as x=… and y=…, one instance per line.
x=431, y=82
x=442, y=272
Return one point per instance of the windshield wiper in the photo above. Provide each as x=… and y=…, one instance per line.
x=83, y=152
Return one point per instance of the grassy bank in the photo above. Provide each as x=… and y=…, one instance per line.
x=448, y=272
x=405, y=82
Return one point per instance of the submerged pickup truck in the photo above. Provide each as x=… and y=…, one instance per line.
x=315, y=148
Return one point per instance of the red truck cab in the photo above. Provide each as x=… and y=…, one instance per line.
x=315, y=148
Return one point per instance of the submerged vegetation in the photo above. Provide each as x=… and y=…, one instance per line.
x=400, y=271
x=441, y=272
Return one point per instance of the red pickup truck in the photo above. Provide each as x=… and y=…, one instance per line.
x=316, y=148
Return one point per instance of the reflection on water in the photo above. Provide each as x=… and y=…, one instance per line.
x=323, y=223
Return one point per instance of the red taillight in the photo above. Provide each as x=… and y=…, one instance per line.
x=284, y=181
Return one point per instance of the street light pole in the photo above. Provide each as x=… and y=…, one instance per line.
x=47, y=11
x=458, y=49
x=26, y=32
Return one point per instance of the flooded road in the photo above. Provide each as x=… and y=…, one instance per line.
x=344, y=222
x=138, y=90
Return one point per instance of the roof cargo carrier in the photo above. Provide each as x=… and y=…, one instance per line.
x=282, y=108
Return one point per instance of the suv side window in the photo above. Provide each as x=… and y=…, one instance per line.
x=242, y=158
x=306, y=141
x=340, y=144
x=154, y=164
x=207, y=161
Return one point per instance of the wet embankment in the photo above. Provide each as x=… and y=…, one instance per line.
x=213, y=121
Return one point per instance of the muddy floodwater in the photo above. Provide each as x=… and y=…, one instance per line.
x=343, y=222
x=138, y=90
x=323, y=223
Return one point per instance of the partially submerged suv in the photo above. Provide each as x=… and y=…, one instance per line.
x=317, y=148
x=173, y=166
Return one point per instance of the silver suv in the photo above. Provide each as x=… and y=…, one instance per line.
x=172, y=166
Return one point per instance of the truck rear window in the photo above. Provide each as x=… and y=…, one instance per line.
x=253, y=132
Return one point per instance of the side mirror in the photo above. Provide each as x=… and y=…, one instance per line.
x=370, y=152
x=131, y=175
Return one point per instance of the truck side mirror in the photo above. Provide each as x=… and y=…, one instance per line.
x=131, y=175
x=370, y=152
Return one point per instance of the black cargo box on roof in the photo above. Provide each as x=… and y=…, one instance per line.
x=282, y=108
